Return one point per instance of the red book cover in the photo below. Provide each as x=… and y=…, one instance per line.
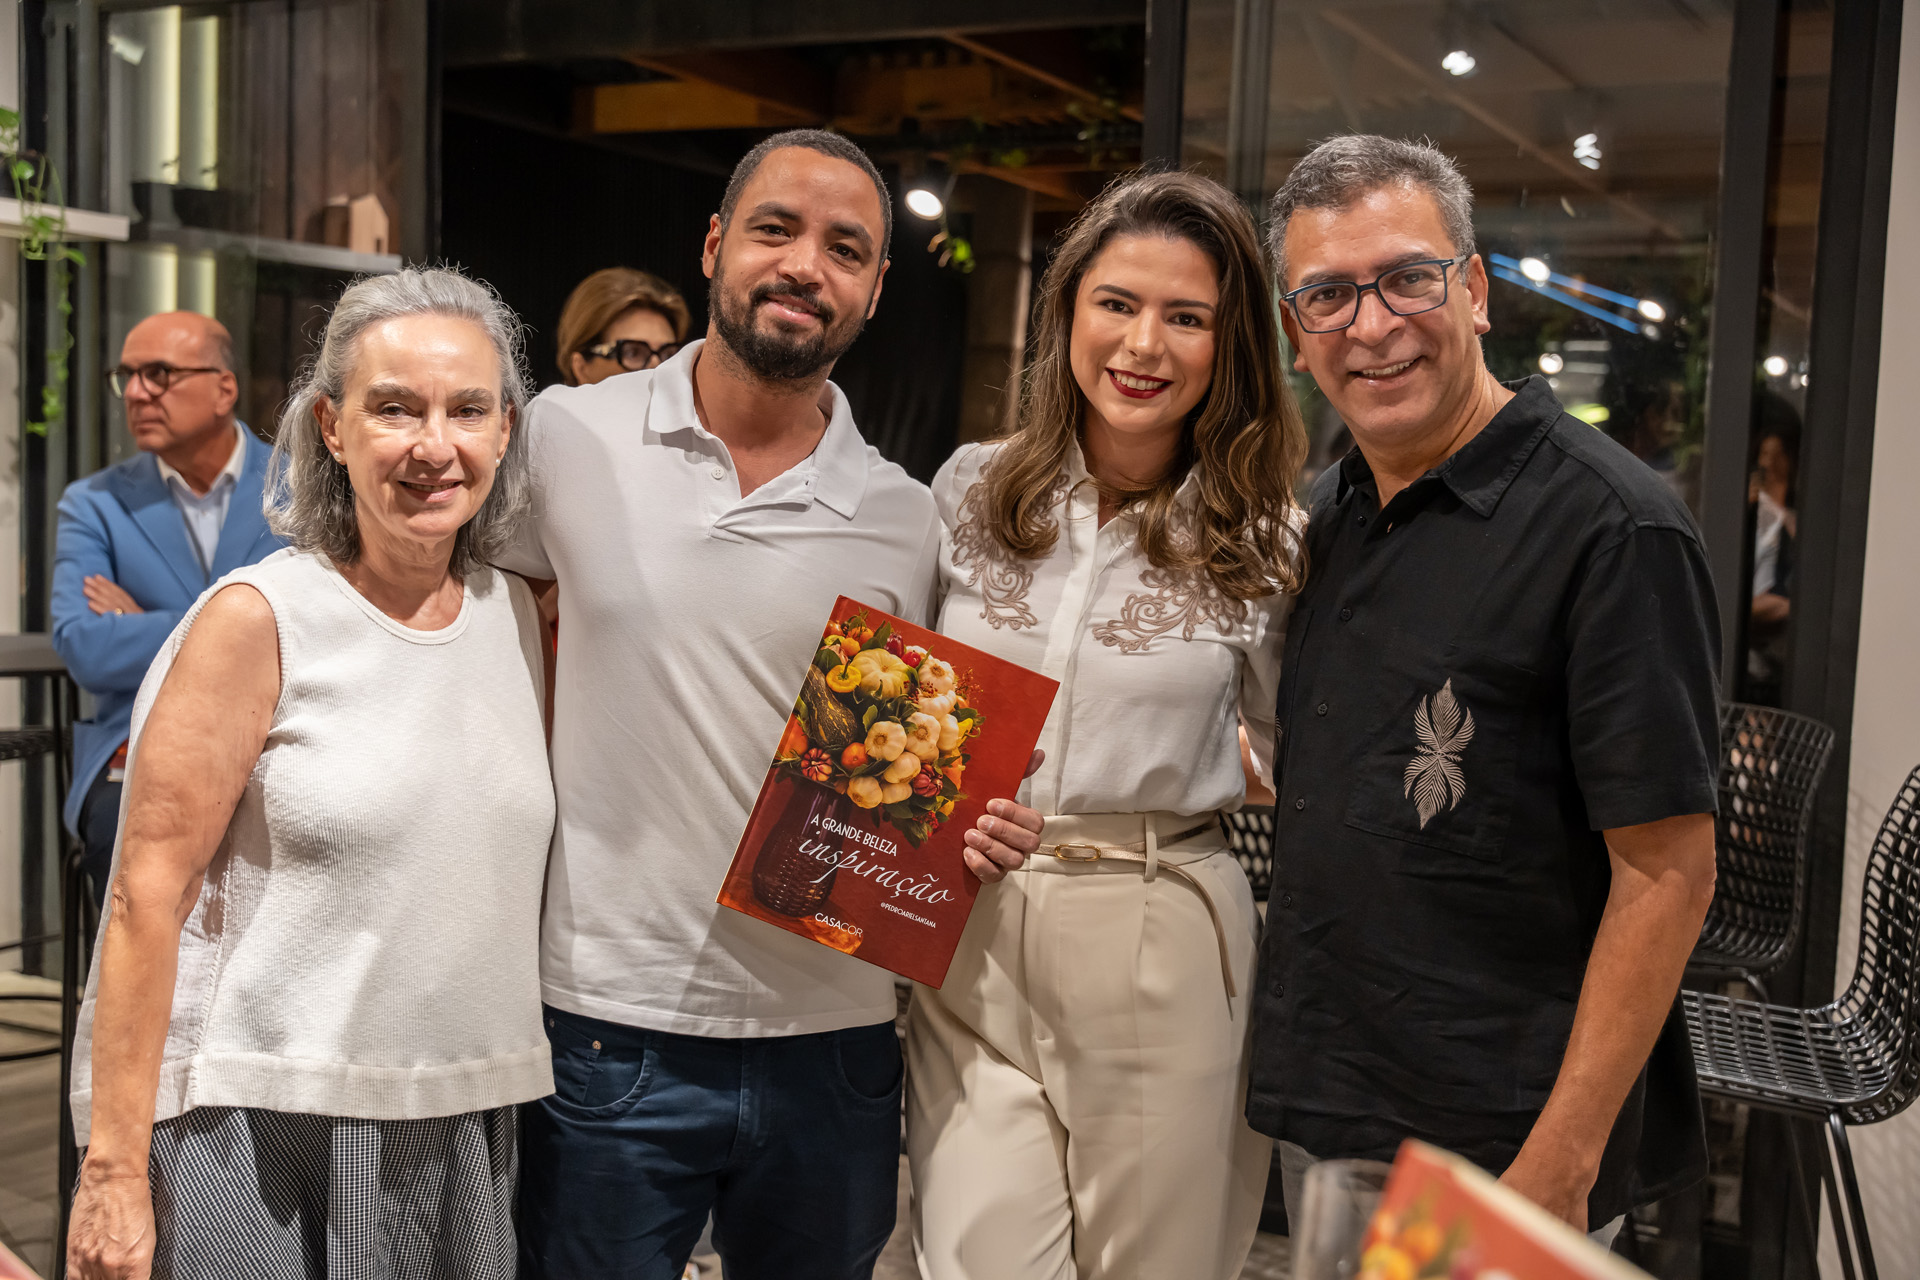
x=1444, y=1218
x=898, y=738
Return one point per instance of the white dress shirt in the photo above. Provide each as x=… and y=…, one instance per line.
x=1157, y=670
x=206, y=512
x=688, y=615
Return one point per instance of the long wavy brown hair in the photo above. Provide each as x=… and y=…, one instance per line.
x=1245, y=438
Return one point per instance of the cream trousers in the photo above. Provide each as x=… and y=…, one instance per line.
x=1075, y=1088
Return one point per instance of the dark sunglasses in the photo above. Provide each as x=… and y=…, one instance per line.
x=158, y=376
x=631, y=353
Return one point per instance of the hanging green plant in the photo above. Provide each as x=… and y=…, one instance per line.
x=955, y=251
x=43, y=238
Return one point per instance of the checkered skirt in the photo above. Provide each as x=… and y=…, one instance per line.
x=267, y=1195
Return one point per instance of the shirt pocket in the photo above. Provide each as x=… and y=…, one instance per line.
x=1439, y=771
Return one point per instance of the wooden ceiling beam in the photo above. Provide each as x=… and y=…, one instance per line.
x=1058, y=183
x=875, y=100
x=717, y=93
x=668, y=106
x=1058, y=64
x=773, y=77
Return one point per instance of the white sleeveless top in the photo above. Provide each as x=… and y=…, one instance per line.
x=366, y=942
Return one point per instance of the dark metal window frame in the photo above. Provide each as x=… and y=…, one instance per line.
x=1836, y=458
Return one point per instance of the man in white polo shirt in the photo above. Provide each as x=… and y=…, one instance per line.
x=699, y=519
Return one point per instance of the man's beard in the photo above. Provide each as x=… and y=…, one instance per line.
x=769, y=354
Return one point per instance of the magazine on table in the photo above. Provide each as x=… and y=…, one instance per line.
x=897, y=740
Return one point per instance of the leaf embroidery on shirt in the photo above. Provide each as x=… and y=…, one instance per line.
x=1177, y=599
x=1002, y=579
x=1444, y=728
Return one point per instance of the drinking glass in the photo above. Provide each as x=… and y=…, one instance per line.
x=1335, y=1208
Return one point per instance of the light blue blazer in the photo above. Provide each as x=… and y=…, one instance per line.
x=121, y=522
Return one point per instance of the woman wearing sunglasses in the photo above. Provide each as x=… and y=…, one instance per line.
x=619, y=320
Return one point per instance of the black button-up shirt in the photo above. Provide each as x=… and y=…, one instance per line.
x=1516, y=655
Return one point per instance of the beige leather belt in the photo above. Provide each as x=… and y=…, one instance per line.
x=1151, y=839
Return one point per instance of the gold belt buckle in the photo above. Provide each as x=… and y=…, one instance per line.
x=1092, y=853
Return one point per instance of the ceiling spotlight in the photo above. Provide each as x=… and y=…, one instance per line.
x=1652, y=310
x=925, y=202
x=1551, y=362
x=1650, y=331
x=1535, y=270
x=1774, y=365
x=1459, y=63
x=1586, y=149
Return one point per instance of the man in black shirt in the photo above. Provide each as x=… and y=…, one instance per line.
x=1498, y=739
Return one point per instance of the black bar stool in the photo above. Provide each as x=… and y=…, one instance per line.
x=20, y=744
x=1853, y=1061
x=1771, y=762
x=1249, y=833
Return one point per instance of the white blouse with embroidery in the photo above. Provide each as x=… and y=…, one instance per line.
x=1157, y=669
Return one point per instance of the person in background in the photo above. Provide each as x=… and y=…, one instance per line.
x=137, y=542
x=1499, y=739
x=316, y=999
x=619, y=320
x=1075, y=1085
x=1771, y=491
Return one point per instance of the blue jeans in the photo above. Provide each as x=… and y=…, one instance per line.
x=791, y=1142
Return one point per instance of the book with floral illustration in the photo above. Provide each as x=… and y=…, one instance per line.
x=897, y=740
x=1444, y=1218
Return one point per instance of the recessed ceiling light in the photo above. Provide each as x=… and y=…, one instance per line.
x=1551, y=362
x=1459, y=63
x=1774, y=365
x=1586, y=150
x=1652, y=310
x=1535, y=270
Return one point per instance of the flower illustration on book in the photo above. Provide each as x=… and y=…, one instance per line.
x=1433, y=778
x=884, y=724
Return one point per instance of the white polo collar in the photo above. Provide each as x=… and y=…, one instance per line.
x=836, y=472
x=237, y=459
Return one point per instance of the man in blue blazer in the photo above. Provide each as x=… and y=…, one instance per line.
x=139, y=541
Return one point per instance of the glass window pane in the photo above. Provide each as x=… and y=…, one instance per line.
x=1591, y=135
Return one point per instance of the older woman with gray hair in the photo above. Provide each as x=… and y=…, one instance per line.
x=316, y=999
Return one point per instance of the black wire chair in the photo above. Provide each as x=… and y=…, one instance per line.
x=1250, y=835
x=1853, y=1061
x=1771, y=762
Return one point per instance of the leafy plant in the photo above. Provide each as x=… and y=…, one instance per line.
x=955, y=251
x=36, y=185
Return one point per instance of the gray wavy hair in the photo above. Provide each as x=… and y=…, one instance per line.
x=311, y=503
x=1340, y=170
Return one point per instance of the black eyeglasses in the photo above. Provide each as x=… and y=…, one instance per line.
x=631, y=353
x=1409, y=289
x=158, y=376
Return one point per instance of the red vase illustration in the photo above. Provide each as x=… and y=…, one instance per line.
x=794, y=873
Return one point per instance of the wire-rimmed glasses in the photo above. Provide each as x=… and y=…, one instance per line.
x=632, y=354
x=1328, y=306
x=158, y=376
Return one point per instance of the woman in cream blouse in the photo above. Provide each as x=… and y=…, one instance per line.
x=1076, y=1084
